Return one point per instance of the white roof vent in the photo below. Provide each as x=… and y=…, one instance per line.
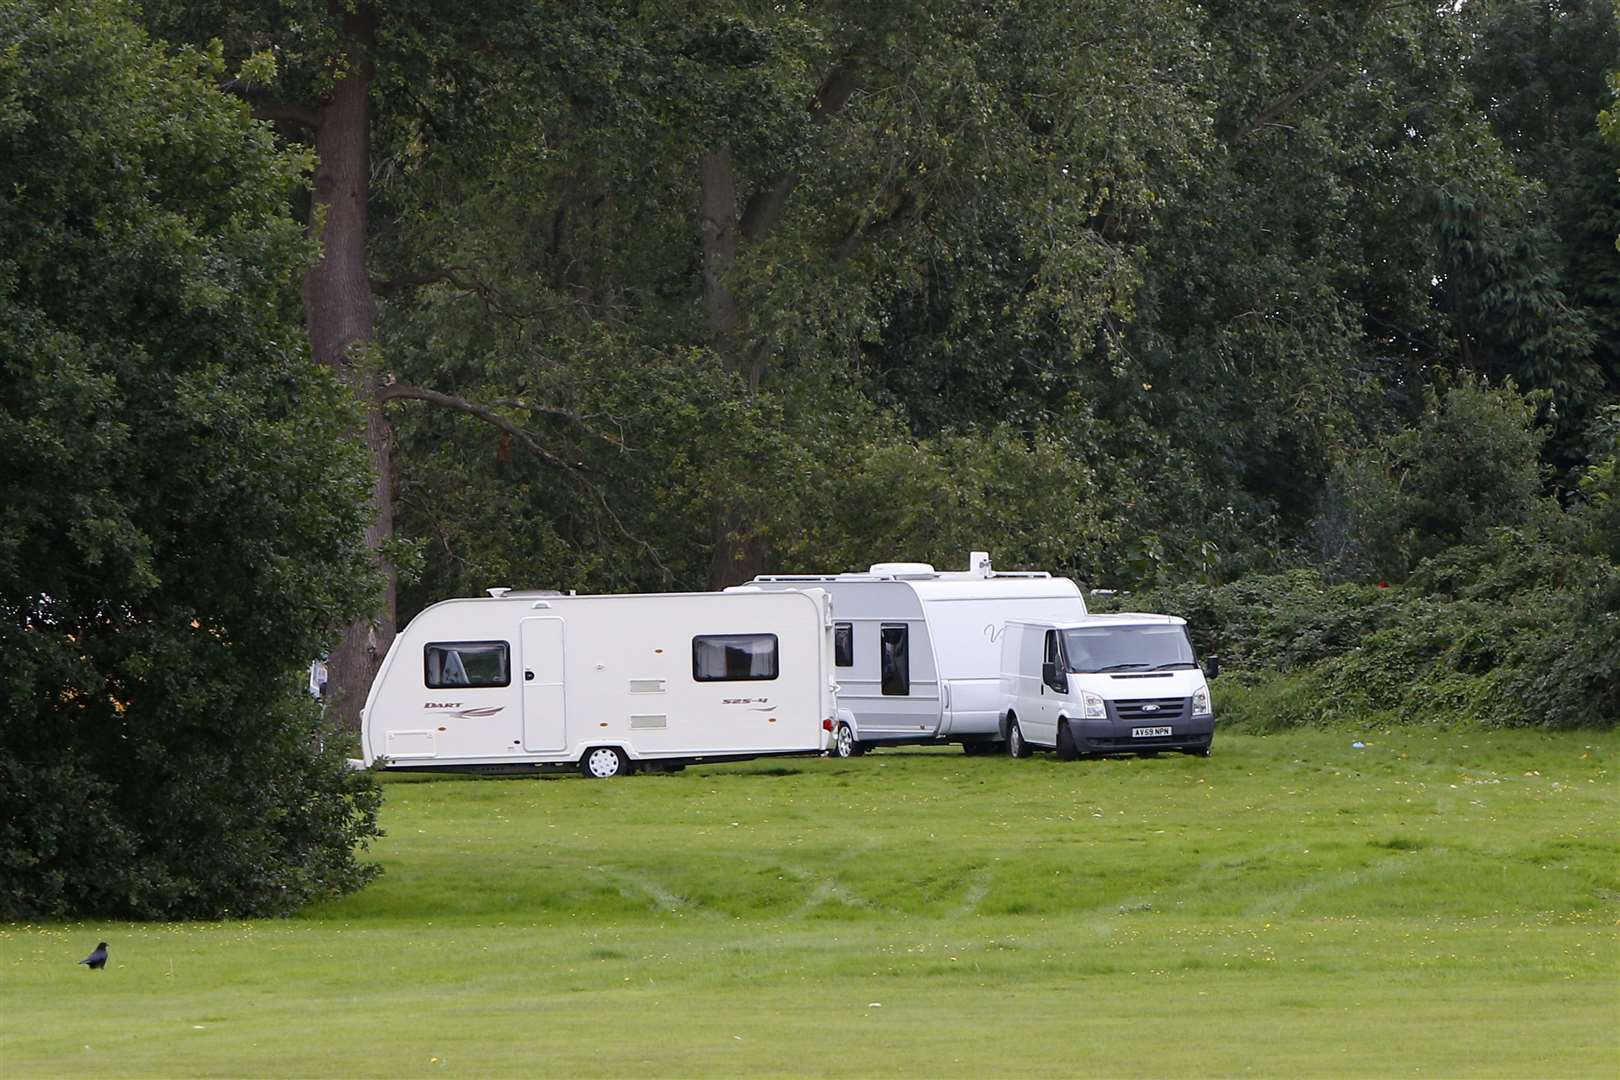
x=903, y=569
x=497, y=593
x=979, y=563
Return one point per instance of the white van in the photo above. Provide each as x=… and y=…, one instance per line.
x=917, y=650
x=1105, y=684
x=515, y=681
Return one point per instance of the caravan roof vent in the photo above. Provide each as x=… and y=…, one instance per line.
x=498, y=593
x=903, y=569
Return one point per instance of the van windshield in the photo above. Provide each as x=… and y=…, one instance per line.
x=1128, y=648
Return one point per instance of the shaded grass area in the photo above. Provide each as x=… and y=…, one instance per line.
x=1435, y=902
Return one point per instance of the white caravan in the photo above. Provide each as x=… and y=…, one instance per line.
x=1106, y=684
x=515, y=681
x=918, y=654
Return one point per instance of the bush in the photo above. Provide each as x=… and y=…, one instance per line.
x=1511, y=632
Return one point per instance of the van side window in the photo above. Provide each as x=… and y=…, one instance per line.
x=734, y=657
x=844, y=644
x=449, y=664
x=896, y=660
x=1051, y=656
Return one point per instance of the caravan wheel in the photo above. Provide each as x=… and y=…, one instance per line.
x=844, y=744
x=604, y=762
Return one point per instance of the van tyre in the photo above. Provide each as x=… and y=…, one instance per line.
x=844, y=744
x=604, y=763
x=1066, y=750
x=1016, y=746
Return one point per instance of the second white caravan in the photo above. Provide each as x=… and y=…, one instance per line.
x=918, y=656
x=516, y=681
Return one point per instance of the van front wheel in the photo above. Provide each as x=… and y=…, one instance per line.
x=1066, y=750
x=604, y=763
x=1016, y=746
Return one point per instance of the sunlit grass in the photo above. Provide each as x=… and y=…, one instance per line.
x=1431, y=903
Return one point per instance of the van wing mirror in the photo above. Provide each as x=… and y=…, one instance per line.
x=1056, y=679
x=1212, y=666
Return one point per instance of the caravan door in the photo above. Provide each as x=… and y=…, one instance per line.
x=544, y=690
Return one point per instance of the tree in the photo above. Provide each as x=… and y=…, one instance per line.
x=181, y=517
x=765, y=207
x=1549, y=307
x=1469, y=465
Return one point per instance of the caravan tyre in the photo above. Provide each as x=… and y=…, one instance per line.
x=844, y=744
x=1066, y=750
x=604, y=762
x=1016, y=746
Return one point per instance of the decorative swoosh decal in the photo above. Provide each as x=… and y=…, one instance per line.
x=488, y=710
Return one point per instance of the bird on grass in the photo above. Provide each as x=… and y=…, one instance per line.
x=98, y=959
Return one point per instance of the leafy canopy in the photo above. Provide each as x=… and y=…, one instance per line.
x=181, y=512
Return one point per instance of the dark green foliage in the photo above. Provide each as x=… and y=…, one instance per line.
x=1513, y=630
x=1149, y=293
x=180, y=515
x=1469, y=464
x=1512, y=618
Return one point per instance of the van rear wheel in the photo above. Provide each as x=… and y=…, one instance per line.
x=1066, y=750
x=604, y=763
x=1016, y=746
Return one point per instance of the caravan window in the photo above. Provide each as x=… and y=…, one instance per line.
x=734, y=657
x=896, y=660
x=467, y=663
x=844, y=644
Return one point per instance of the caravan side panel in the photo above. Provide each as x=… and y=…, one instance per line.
x=515, y=680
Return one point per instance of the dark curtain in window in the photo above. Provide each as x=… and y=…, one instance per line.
x=896, y=660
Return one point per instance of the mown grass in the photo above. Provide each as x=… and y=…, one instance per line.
x=1433, y=903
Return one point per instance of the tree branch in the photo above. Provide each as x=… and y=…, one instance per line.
x=264, y=107
x=398, y=284
x=397, y=391
x=766, y=205
x=1281, y=105
x=860, y=233
x=1268, y=116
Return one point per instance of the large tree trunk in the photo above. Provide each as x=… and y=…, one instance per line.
x=739, y=553
x=341, y=314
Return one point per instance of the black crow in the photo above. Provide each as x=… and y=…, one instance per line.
x=98, y=959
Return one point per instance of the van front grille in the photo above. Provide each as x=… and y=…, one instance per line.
x=1151, y=710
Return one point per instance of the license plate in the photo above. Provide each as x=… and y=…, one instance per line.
x=1148, y=732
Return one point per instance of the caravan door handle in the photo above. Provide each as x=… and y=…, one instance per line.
x=528, y=676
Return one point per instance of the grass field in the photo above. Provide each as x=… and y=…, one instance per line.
x=1432, y=904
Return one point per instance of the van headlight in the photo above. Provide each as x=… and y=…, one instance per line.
x=1201, y=701
x=1092, y=707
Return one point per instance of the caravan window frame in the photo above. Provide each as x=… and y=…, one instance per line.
x=775, y=654
x=894, y=664
x=457, y=647
x=843, y=644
